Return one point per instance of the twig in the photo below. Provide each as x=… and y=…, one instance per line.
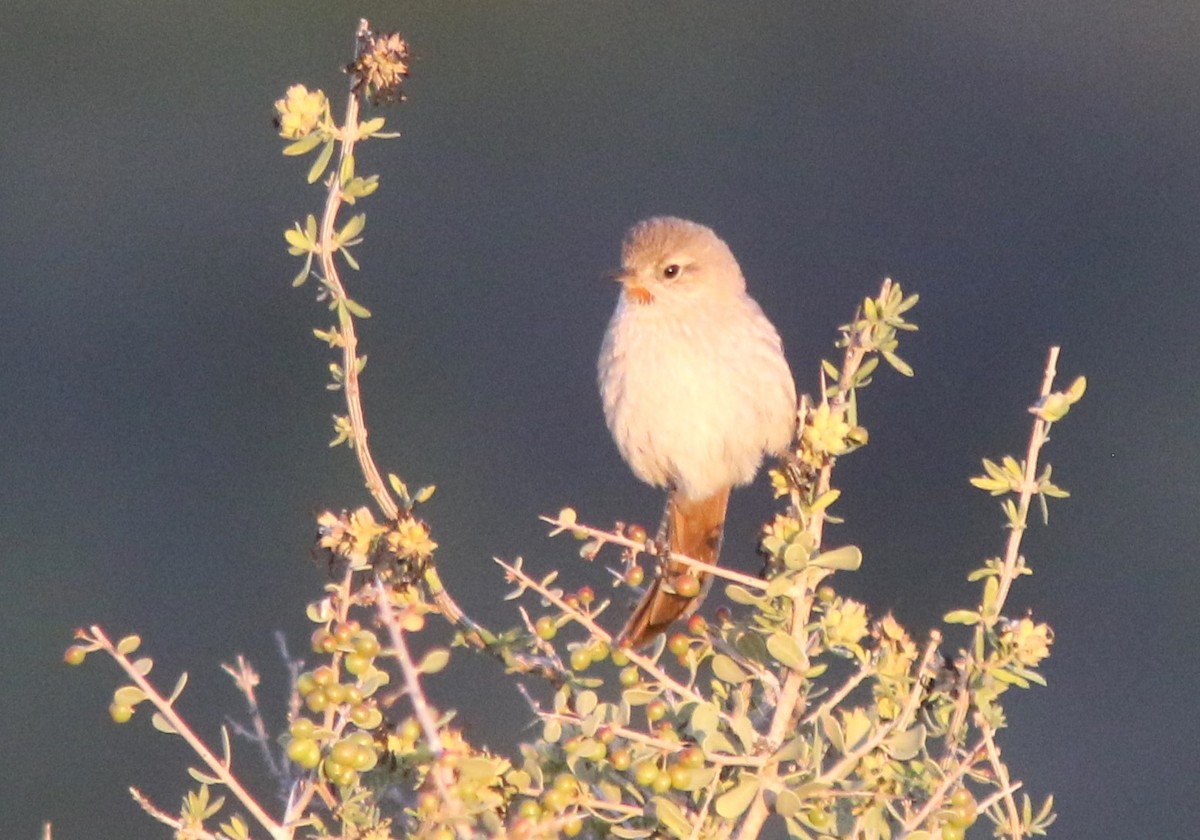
x=412, y=677
x=1037, y=438
x=898, y=723
x=789, y=697
x=645, y=663
x=219, y=768
x=939, y=794
x=246, y=679
x=1010, y=805
x=617, y=539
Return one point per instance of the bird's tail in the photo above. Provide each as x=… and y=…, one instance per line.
x=694, y=529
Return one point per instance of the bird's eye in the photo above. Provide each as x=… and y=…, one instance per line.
x=671, y=271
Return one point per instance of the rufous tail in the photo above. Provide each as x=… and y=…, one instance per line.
x=694, y=529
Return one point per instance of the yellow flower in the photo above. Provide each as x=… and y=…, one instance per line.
x=409, y=540
x=1030, y=643
x=299, y=112
x=845, y=624
x=826, y=432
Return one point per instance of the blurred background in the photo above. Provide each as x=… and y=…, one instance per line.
x=1031, y=168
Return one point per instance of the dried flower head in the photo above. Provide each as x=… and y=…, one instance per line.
x=381, y=66
x=299, y=112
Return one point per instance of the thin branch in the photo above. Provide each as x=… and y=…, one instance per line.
x=1010, y=805
x=412, y=677
x=605, y=537
x=1037, y=438
x=215, y=765
x=938, y=796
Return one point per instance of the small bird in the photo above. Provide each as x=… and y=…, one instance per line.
x=696, y=390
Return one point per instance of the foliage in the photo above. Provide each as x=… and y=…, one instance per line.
x=798, y=703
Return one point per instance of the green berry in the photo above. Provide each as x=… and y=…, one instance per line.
x=366, y=643
x=305, y=752
x=302, y=727
x=646, y=773
x=580, y=659
x=120, y=713
x=545, y=628
x=358, y=663
x=75, y=655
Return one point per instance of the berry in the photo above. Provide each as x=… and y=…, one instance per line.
x=656, y=710
x=688, y=586
x=305, y=752
x=681, y=777
x=302, y=727
x=586, y=595
x=620, y=760
x=580, y=659
x=646, y=773
x=366, y=716
x=635, y=576
x=696, y=625
x=952, y=832
x=545, y=628
x=677, y=644
x=120, y=713
x=366, y=644
x=636, y=533
x=357, y=664
x=629, y=676
x=75, y=655
x=323, y=641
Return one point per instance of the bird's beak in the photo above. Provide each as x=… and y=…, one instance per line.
x=633, y=290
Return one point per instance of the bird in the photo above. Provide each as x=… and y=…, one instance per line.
x=696, y=390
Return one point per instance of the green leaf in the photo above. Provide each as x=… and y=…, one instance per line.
x=741, y=595
x=586, y=702
x=434, y=661
x=303, y=145
x=671, y=817
x=128, y=645
x=179, y=684
x=704, y=719
x=357, y=309
x=128, y=695
x=322, y=161
x=202, y=777
x=896, y=362
x=726, y=670
x=731, y=804
x=298, y=239
x=786, y=650
x=905, y=745
x=351, y=229
x=368, y=127
x=162, y=724
x=961, y=617
x=786, y=803
x=846, y=559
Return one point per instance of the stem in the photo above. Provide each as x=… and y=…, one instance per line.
x=1037, y=438
x=218, y=768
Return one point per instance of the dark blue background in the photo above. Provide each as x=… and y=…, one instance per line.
x=1031, y=168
